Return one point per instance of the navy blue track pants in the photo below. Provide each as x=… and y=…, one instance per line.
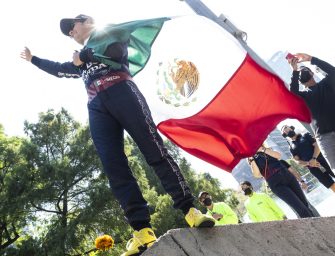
x=123, y=107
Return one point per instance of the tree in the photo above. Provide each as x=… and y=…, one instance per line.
x=12, y=211
x=67, y=199
x=66, y=187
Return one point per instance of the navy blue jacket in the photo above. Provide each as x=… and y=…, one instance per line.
x=91, y=69
x=303, y=146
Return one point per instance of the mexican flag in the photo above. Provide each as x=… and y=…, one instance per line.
x=205, y=92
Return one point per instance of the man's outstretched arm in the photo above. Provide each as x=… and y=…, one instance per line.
x=66, y=69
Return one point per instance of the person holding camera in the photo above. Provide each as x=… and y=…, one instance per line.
x=265, y=163
x=319, y=97
x=221, y=212
x=306, y=152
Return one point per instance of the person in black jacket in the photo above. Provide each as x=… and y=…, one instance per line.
x=265, y=163
x=320, y=98
x=306, y=152
x=115, y=104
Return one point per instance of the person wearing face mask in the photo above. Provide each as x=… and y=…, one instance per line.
x=319, y=97
x=220, y=211
x=306, y=152
x=260, y=206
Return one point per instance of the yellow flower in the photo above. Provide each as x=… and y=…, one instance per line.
x=104, y=242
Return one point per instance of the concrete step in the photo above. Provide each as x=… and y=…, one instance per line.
x=312, y=236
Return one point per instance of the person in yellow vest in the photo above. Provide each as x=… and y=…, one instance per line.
x=260, y=206
x=221, y=212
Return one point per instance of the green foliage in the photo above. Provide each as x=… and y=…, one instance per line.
x=164, y=217
x=57, y=199
x=13, y=213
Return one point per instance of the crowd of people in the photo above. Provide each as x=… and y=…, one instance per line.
x=116, y=105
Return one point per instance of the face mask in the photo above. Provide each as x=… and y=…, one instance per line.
x=305, y=76
x=247, y=191
x=207, y=201
x=291, y=134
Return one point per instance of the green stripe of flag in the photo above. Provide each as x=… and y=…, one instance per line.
x=141, y=35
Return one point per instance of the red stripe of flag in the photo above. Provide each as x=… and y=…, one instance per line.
x=235, y=123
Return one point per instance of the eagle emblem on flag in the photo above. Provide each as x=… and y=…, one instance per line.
x=178, y=80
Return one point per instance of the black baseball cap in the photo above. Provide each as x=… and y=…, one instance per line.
x=66, y=25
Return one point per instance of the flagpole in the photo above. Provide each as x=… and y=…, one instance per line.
x=201, y=9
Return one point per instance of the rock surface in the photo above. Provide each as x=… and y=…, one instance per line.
x=313, y=236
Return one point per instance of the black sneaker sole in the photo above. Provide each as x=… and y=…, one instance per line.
x=206, y=224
